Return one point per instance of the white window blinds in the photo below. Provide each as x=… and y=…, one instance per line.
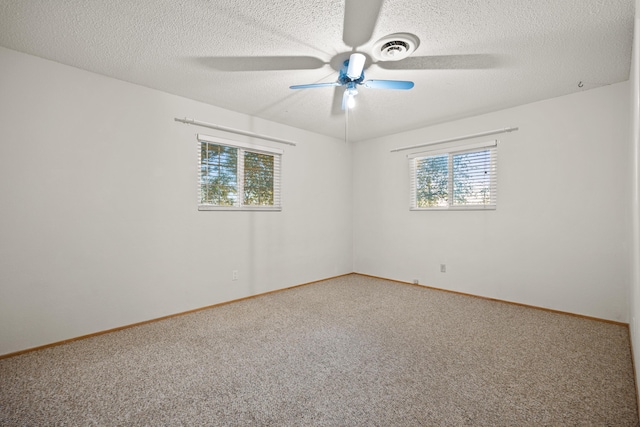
x=237, y=176
x=462, y=177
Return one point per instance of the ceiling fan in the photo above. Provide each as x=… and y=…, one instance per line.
x=352, y=75
x=389, y=53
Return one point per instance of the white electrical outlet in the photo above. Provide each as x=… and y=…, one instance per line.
x=234, y=275
x=416, y=281
x=443, y=268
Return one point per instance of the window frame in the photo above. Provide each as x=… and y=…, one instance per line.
x=242, y=148
x=491, y=146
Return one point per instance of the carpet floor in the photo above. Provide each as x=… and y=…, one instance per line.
x=350, y=351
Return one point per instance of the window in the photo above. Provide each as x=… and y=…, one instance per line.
x=237, y=176
x=463, y=177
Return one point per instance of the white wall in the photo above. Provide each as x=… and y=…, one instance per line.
x=634, y=294
x=99, y=226
x=560, y=236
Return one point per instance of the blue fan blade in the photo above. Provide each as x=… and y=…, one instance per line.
x=312, y=85
x=388, y=84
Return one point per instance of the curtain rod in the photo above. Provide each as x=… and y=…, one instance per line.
x=460, y=138
x=232, y=130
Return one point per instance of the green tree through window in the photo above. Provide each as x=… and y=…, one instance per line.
x=462, y=179
x=432, y=176
x=218, y=174
x=236, y=177
x=472, y=178
x=258, y=179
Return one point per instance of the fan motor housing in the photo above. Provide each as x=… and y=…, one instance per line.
x=395, y=47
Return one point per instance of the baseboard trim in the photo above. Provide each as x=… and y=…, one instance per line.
x=550, y=310
x=157, y=319
x=119, y=328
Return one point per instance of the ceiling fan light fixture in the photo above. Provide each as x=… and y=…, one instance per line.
x=349, y=96
x=395, y=47
x=351, y=102
x=352, y=91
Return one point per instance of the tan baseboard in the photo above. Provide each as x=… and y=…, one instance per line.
x=119, y=328
x=57, y=343
x=550, y=310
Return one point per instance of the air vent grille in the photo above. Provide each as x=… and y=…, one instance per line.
x=395, y=47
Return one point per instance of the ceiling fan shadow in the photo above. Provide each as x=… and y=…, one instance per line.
x=336, y=103
x=445, y=62
x=360, y=17
x=260, y=63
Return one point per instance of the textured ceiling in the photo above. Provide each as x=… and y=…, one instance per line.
x=474, y=56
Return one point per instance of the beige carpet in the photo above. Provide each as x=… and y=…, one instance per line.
x=351, y=351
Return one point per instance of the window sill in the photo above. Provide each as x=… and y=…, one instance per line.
x=239, y=208
x=457, y=208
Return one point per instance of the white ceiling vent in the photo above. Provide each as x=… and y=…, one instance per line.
x=395, y=47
